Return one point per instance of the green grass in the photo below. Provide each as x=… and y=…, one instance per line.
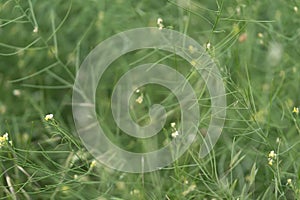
x=260, y=71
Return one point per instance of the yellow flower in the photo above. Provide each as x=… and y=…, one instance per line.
x=296, y=110
x=65, y=189
x=270, y=161
x=49, y=117
x=93, y=164
x=4, y=140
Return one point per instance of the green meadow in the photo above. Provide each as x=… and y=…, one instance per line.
x=255, y=46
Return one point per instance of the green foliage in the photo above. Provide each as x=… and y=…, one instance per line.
x=255, y=45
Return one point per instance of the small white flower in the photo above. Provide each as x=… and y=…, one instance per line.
x=5, y=136
x=93, y=164
x=4, y=140
x=49, y=117
x=272, y=154
x=261, y=42
x=271, y=157
x=296, y=9
x=175, y=134
x=140, y=99
x=134, y=192
x=208, y=45
x=289, y=181
x=36, y=29
x=159, y=21
x=260, y=35
x=16, y=92
x=173, y=124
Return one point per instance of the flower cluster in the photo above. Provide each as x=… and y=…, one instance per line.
x=49, y=117
x=175, y=132
x=160, y=23
x=261, y=38
x=271, y=157
x=140, y=99
x=4, y=140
